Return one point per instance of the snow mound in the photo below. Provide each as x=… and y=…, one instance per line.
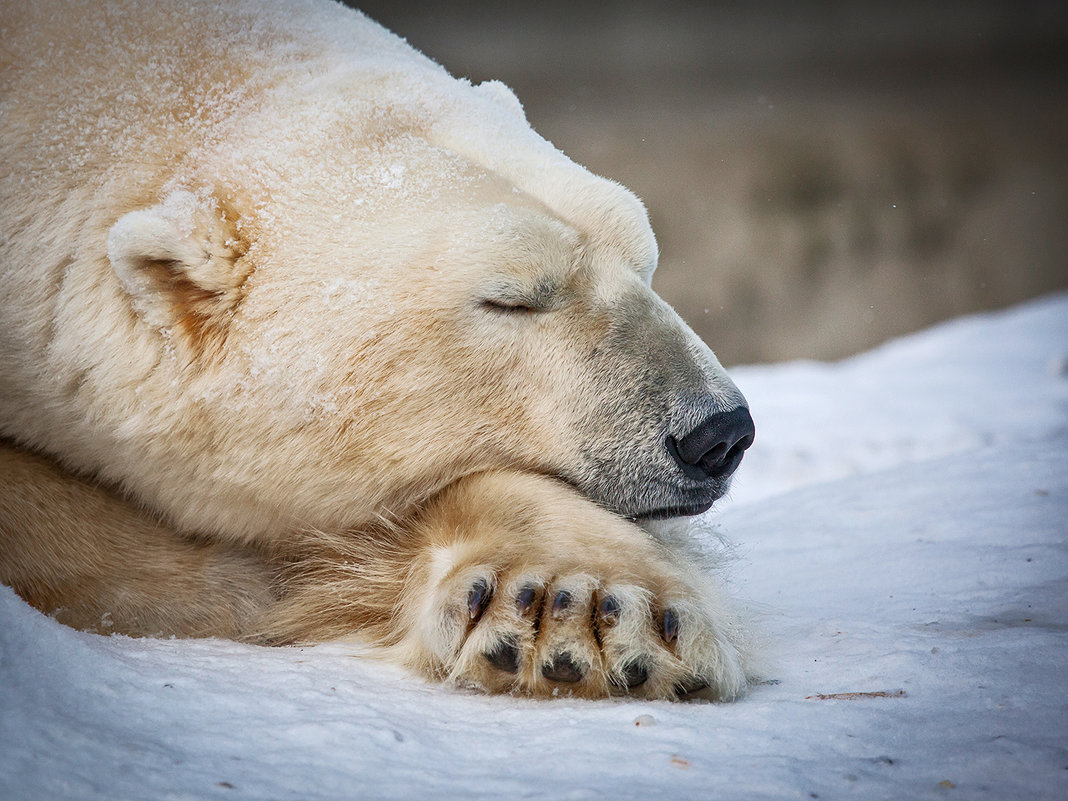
x=985, y=380
x=902, y=520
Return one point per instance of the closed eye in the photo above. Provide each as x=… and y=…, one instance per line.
x=507, y=306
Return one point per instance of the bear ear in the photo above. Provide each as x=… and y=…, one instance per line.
x=504, y=97
x=181, y=264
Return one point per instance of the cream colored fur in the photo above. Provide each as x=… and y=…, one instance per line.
x=95, y=562
x=315, y=338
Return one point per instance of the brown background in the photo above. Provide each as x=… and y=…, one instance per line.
x=821, y=177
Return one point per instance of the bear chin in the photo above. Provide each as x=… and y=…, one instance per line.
x=675, y=511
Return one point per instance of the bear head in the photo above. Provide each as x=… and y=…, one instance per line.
x=358, y=292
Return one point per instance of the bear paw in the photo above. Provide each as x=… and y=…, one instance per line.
x=591, y=606
x=521, y=632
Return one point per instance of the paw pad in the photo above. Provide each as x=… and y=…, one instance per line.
x=563, y=669
x=505, y=656
x=634, y=674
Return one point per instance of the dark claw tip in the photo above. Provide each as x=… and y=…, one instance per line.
x=610, y=609
x=634, y=675
x=562, y=669
x=525, y=599
x=561, y=603
x=670, y=625
x=505, y=656
x=478, y=597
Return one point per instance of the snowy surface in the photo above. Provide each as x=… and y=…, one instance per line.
x=901, y=525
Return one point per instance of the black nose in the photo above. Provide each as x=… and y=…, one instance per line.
x=714, y=448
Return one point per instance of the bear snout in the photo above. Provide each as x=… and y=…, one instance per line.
x=714, y=447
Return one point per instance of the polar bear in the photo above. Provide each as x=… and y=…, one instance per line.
x=303, y=338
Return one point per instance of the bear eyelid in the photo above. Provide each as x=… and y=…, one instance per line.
x=509, y=306
x=512, y=297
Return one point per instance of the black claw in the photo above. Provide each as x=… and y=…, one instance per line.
x=525, y=599
x=634, y=675
x=562, y=669
x=561, y=603
x=670, y=626
x=505, y=656
x=478, y=598
x=609, y=609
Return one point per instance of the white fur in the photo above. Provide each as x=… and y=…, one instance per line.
x=266, y=270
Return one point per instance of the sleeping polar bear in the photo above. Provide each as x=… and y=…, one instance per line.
x=302, y=338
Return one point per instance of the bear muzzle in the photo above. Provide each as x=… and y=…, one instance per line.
x=703, y=460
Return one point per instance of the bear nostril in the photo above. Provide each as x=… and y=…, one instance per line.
x=714, y=448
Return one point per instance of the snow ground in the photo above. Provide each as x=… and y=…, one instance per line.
x=901, y=524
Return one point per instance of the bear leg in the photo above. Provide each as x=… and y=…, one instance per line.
x=94, y=561
x=515, y=583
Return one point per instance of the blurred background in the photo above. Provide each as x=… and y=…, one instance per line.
x=821, y=176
